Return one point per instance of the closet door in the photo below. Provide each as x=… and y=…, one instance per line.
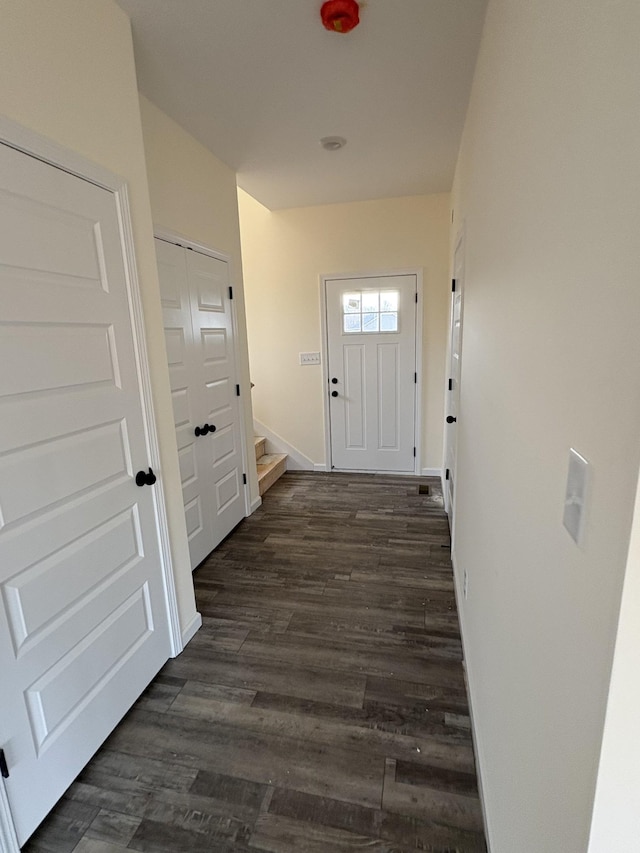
x=83, y=617
x=200, y=348
x=217, y=390
x=183, y=354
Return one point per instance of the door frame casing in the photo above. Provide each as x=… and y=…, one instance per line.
x=27, y=141
x=177, y=239
x=417, y=428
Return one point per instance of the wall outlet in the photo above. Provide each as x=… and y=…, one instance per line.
x=309, y=358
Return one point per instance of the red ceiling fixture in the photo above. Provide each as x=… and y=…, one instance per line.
x=340, y=16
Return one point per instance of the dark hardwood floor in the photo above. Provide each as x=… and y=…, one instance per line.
x=320, y=709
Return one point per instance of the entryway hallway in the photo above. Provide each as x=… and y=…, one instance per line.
x=321, y=708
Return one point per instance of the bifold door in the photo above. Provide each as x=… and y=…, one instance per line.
x=83, y=619
x=200, y=349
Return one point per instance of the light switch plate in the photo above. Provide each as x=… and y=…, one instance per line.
x=309, y=358
x=576, y=496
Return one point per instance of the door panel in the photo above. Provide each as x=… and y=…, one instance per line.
x=83, y=620
x=455, y=367
x=371, y=330
x=183, y=364
x=354, y=398
x=216, y=382
x=200, y=350
x=388, y=402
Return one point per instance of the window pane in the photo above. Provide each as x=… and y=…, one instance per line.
x=389, y=300
x=389, y=322
x=370, y=301
x=351, y=303
x=352, y=323
x=370, y=322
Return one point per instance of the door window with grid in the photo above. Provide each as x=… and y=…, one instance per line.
x=370, y=311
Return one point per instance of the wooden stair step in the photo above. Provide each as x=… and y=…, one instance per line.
x=260, y=443
x=271, y=466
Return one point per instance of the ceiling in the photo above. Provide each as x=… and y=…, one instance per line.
x=259, y=82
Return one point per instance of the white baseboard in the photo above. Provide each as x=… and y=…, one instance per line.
x=431, y=472
x=255, y=504
x=297, y=461
x=189, y=632
x=319, y=466
x=475, y=740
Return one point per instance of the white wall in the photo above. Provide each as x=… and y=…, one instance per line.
x=616, y=815
x=548, y=186
x=284, y=254
x=194, y=195
x=68, y=73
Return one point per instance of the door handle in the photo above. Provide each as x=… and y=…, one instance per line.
x=205, y=429
x=334, y=393
x=451, y=419
x=145, y=478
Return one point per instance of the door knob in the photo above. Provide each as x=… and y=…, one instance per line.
x=334, y=393
x=334, y=381
x=145, y=478
x=212, y=428
x=451, y=419
x=202, y=430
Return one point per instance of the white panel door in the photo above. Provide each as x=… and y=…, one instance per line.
x=183, y=357
x=217, y=390
x=453, y=394
x=83, y=618
x=200, y=348
x=371, y=332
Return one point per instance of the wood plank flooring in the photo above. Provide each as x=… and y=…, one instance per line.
x=320, y=709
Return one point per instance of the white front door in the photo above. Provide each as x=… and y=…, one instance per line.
x=453, y=393
x=371, y=336
x=83, y=618
x=200, y=347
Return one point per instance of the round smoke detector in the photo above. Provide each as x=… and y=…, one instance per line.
x=333, y=143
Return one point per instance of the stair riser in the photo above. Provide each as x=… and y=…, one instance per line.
x=267, y=478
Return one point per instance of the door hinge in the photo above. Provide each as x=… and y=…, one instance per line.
x=446, y=474
x=237, y=390
x=450, y=384
x=416, y=298
x=415, y=377
x=414, y=451
x=453, y=285
x=4, y=769
x=230, y=293
x=244, y=479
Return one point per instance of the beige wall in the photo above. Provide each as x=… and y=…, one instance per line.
x=194, y=195
x=284, y=254
x=67, y=72
x=547, y=185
